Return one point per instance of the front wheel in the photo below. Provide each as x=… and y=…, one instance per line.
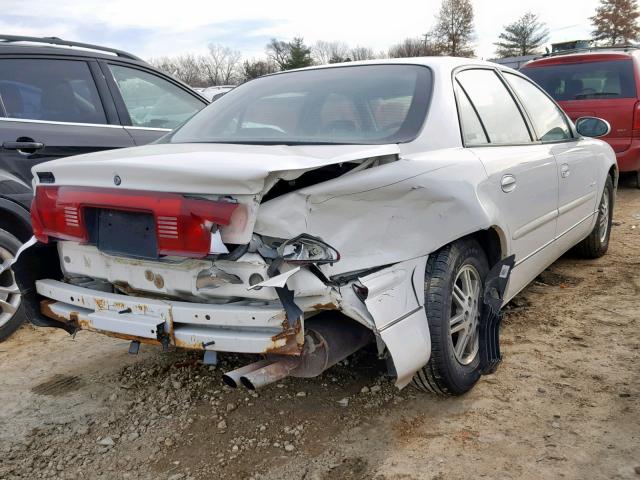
x=11, y=315
x=454, y=290
x=597, y=243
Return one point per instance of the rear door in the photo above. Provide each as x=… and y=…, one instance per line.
x=50, y=108
x=578, y=165
x=602, y=85
x=522, y=172
x=150, y=105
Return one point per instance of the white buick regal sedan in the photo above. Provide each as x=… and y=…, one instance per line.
x=307, y=214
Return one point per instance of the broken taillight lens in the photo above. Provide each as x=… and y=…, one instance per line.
x=183, y=225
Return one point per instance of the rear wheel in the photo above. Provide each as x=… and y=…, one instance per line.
x=454, y=287
x=597, y=243
x=11, y=314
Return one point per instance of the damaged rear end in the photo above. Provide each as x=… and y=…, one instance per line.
x=184, y=258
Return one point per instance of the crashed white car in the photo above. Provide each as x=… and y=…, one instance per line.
x=309, y=213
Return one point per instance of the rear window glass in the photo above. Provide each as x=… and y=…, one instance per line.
x=582, y=81
x=373, y=104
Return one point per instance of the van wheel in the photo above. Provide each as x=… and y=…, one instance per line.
x=597, y=243
x=454, y=288
x=11, y=310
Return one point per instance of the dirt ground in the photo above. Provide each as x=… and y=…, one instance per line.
x=565, y=403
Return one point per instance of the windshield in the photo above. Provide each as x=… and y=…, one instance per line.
x=370, y=104
x=589, y=80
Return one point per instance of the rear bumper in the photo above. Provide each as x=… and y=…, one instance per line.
x=393, y=310
x=244, y=326
x=629, y=160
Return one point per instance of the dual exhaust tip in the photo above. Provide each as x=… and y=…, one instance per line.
x=326, y=343
x=239, y=376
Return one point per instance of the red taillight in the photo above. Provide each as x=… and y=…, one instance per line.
x=183, y=225
x=636, y=120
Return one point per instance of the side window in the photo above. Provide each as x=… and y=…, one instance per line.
x=472, y=130
x=50, y=90
x=550, y=124
x=152, y=101
x=497, y=109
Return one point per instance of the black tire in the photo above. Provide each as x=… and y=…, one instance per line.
x=445, y=374
x=596, y=244
x=9, y=321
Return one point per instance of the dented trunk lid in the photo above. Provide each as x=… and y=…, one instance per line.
x=219, y=169
x=240, y=173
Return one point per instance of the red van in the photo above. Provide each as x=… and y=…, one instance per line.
x=600, y=84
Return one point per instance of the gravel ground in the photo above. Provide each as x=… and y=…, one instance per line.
x=564, y=404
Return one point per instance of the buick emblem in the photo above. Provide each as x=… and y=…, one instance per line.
x=117, y=180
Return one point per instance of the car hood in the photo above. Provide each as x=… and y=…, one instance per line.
x=203, y=168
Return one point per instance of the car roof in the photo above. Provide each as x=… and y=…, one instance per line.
x=437, y=63
x=585, y=56
x=67, y=51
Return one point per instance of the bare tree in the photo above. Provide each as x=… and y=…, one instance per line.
x=256, y=68
x=454, y=28
x=415, y=47
x=616, y=21
x=183, y=67
x=278, y=52
x=324, y=52
x=221, y=65
x=522, y=37
x=361, y=53
x=165, y=64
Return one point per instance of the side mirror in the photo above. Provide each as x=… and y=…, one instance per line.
x=593, y=127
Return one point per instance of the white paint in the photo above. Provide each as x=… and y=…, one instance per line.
x=392, y=214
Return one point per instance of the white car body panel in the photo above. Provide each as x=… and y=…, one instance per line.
x=406, y=202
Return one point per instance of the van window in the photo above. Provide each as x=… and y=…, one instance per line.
x=587, y=80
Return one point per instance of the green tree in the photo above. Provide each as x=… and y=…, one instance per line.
x=616, y=21
x=454, y=28
x=522, y=37
x=299, y=55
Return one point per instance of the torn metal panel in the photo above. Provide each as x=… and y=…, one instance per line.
x=277, y=281
x=386, y=214
x=395, y=302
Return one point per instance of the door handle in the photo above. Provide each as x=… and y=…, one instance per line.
x=23, y=147
x=565, y=171
x=508, y=183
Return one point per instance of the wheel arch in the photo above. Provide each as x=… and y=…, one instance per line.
x=493, y=241
x=15, y=220
x=614, y=174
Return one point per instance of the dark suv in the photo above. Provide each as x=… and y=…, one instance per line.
x=58, y=99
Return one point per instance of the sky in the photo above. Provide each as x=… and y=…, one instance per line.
x=151, y=29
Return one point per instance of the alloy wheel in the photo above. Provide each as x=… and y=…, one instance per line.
x=465, y=314
x=10, y=297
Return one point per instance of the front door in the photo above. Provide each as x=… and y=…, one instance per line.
x=576, y=162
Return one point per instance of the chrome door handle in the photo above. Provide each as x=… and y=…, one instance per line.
x=565, y=171
x=508, y=183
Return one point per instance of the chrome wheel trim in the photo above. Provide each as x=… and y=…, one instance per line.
x=10, y=296
x=603, y=219
x=464, y=320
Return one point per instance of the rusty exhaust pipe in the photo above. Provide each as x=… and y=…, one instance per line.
x=327, y=341
x=232, y=378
